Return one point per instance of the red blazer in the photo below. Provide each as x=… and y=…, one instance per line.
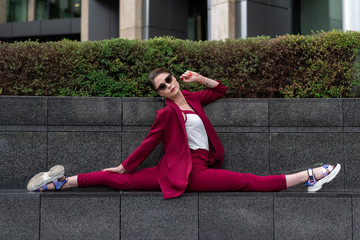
x=172, y=172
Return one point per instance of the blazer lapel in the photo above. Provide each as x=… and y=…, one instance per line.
x=180, y=117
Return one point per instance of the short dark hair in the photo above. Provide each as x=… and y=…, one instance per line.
x=154, y=73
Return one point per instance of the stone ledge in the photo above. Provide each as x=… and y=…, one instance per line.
x=115, y=214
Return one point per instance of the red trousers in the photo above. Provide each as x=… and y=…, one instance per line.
x=202, y=178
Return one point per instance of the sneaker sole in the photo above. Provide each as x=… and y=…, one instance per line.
x=318, y=185
x=43, y=178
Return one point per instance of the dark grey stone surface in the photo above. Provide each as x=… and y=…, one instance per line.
x=132, y=140
x=356, y=216
x=56, y=26
x=235, y=113
x=305, y=112
x=235, y=216
x=148, y=216
x=352, y=160
x=22, y=155
x=81, y=152
x=306, y=129
x=308, y=217
x=23, y=110
x=74, y=111
x=246, y=152
x=80, y=216
x=351, y=112
x=294, y=152
x=19, y=216
x=26, y=29
x=140, y=111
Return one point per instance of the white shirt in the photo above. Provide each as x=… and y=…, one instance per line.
x=196, y=132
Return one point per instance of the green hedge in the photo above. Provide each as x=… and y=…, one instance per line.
x=320, y=65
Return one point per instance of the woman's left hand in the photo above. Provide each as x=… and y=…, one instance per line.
x=190, y=76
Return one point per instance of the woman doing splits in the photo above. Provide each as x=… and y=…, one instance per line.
x=193, y=152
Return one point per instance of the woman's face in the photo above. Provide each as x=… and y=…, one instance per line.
x=166, y=85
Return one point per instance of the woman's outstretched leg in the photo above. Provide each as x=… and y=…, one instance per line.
x=143, y=179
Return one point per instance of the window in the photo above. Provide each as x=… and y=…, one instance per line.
x=197, y=19
x=56, y=9
x=316, y=15
x=16, y=10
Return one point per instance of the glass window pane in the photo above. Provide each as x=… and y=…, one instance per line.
x=317, y=15
x=41, y=10
x=60, y=9
x=16, y=11
x=77, y=8
x=9, y=11
x=20, y=10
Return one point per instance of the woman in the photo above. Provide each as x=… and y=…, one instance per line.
x=193, y=152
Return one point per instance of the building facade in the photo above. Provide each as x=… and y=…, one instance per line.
x=186, y=19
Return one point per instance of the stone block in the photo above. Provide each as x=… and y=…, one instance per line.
x=23, y=110
x=235, y=113
x=145, y=215
x=294, y=152
x=80, y=216
x=132, y=140
x=351, y=112
x=19, y=216
x=82, y=152
x=246, y=152
x=306, y=217
x=352, y=160
x=305, y=112
x=356, y=216
x=235, y=216
x=140, y=111
x=22, y=154
x=81, y=111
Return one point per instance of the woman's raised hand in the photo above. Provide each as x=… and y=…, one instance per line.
x=190, y=76
x=119, y=169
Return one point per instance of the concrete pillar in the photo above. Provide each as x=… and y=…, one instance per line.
x=84, y=20
x=31, y=10
x=130, y=19
x=222, y=19
x=3, y=11
x=351, y=15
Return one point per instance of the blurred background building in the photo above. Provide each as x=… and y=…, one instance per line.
x=84, y=20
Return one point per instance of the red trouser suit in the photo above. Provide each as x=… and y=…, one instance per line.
x=181, y=169
x=201, y=178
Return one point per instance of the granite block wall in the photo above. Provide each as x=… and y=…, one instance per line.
x=260, y=136
x=145, y=215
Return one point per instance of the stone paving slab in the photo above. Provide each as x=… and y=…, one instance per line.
x=80, y=216
x=23, y=110
x=305, y=112
x=246, y=152
x=22, y=155
x=306, y=217
x=140, y=111
x=84, y=111
x=235, y=216
x=351, y=112
x=352, y=161
x=82, y=152
x=234, y=113
x=145, y=215
x=19, y=215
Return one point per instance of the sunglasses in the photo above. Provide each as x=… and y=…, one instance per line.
x=162, y=86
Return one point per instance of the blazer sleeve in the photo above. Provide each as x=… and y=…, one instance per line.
x=211, y=94
x=148, y=145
